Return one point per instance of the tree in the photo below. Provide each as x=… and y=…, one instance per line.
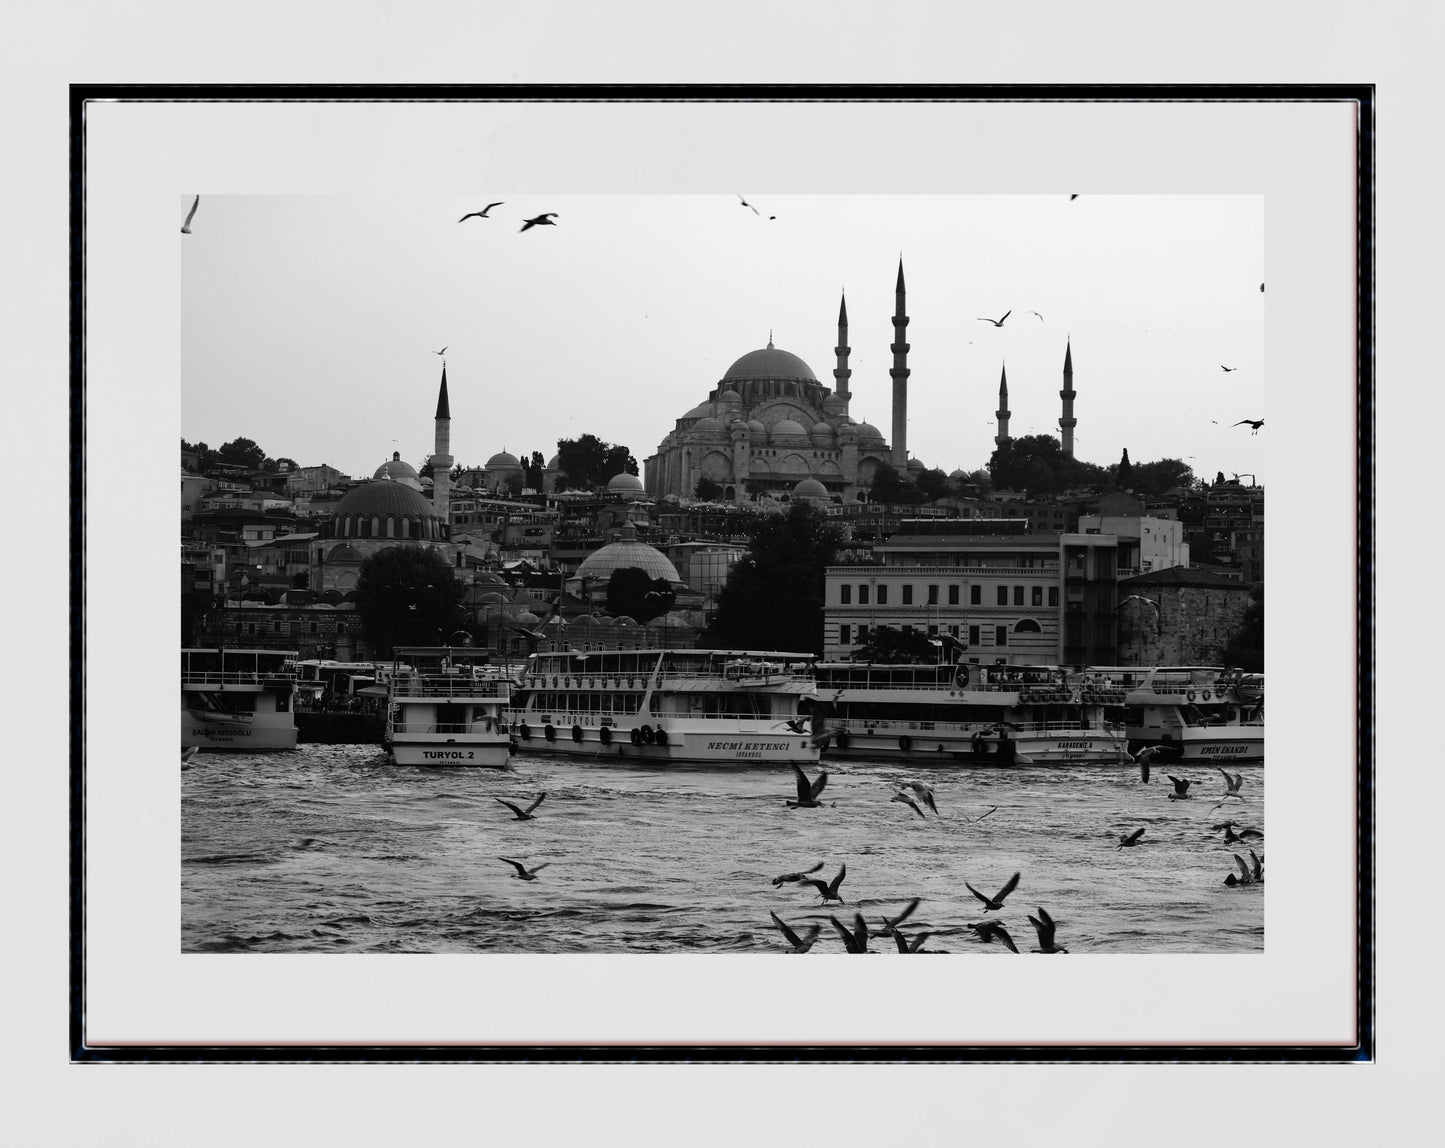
x=407, y=595
x=773, y=599
x=533, y=469
x=618, y=460
x=634, y=593
x=1245, y=648
x=1038, y=465
x=891, y=487
x=886, y=644
x=242, y=452
x=933, y=484
x=1124, y=476
x=287, y=465
x=708, y=489
x=1161, y=475
x=587, y=461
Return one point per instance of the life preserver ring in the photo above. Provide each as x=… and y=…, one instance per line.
x=905, y=743
x=661, y=736
x=576, y=733
x=647, y=735
x=635, y=736
x=842, y=739
x=1206, y=696
x=549, y=731
x=1189, y=695
x=605, y=735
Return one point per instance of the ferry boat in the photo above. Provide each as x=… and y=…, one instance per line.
x=445, y=707
x=1203, y=713
x=724, y=707
x=963, y=713
x=237, y=700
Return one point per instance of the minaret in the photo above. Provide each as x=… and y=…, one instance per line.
x=841, y=373
x=899, y=374
x=1068, y=422
x=1003, y=412
x=441, y=459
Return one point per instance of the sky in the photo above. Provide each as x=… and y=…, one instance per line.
x=309, y=323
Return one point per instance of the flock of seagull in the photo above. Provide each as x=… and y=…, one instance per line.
x=919, y=796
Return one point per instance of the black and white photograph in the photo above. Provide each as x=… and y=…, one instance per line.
x=731, y=573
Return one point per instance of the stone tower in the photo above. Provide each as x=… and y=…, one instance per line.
x=1067, y=422
x=441, y=459
x=899, y=374
x=841, y=373
x=1003, y=412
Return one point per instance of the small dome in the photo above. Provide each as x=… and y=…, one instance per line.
x=730, y=396
x=708, y=425
x=822, y=430
x=756, y=427
x=504, y=461
x=810, y=488
x=702, y=410
x=621, y=555
x=527, y=618
x=787, y=427
x=834, y=404
x=868, y=430
x=959, y=473
x=915, y=465
x=343, y=553
x=492, y=598
x=398, y=471
x=770, y=363
x=555, y=464
x=624, y=482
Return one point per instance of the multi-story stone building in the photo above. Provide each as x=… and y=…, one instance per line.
x=1179, y=617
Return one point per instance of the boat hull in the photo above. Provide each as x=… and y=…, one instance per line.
x=488, y=752
x=258, y=735
x=693, y=743
x=1221, y=745
x=1078, y=747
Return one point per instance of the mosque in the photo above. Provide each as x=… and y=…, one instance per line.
x=769, y=426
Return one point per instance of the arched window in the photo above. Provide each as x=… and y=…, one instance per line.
x=375, y=526
x=390, y=526
x=346, y=527
x=1028, y=626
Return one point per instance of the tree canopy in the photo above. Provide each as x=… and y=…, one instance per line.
x=887, y=644
x=708, y=489
x=407, y=595
x=242, y=452
x=634, y=593
x=587, y=461
x=773, y=599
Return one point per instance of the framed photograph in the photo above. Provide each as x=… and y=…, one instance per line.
x=787, y=291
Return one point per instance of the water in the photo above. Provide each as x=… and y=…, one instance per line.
x=332, y=849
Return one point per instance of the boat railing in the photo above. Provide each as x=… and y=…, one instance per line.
x=199, y=678
x=449, y=686
x=483, y=726
x=968, y=728
x=667, y=679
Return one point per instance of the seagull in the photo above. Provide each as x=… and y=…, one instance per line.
x=808, y=793
x=890, y=924
x=753, y=209
x=1041, y=318
x=1232, y=782
x=443, y=351
x=1246, y=876
x=1254, y=423
x=1257, y=867
x=1144, y=757
x=1073, y=197
x=907, y=946
x=1230, y=836
x=986, y=812
x=523, y=872
x=857, y=940
x=522, y=814
x=996, y=901
x=545, y=219
x=908, y=801
x=797, y=725
x=480, y=214
x=1181, y=787
x=989, y=930
x=925, y=793
x=996, y=322
x=785, y=878
x=1222, y=367
x=186, y=226
x=829, y=891
x=799, y=945
x=1130, y=841
x=1044, y=925
x=1261, y=287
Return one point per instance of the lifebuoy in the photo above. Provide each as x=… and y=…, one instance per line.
x=647, y=735
x=525, y=731
x=905, y=743
x=1189, y=695
x=842, y=739
x=549, y=731
x=661, y=736
x=635, y=736
x=576, y=733
x=605, y=735
x=1206, y=696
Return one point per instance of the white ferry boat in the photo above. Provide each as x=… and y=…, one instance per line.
x=237, y=700
x=444, y=707
x=1203, y=713
x=964, y=713
x=722, y=707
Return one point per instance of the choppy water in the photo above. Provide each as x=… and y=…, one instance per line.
x=333, y=849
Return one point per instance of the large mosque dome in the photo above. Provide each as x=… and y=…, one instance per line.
x=627, y=552
x=385, y=508
x=769, y=362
